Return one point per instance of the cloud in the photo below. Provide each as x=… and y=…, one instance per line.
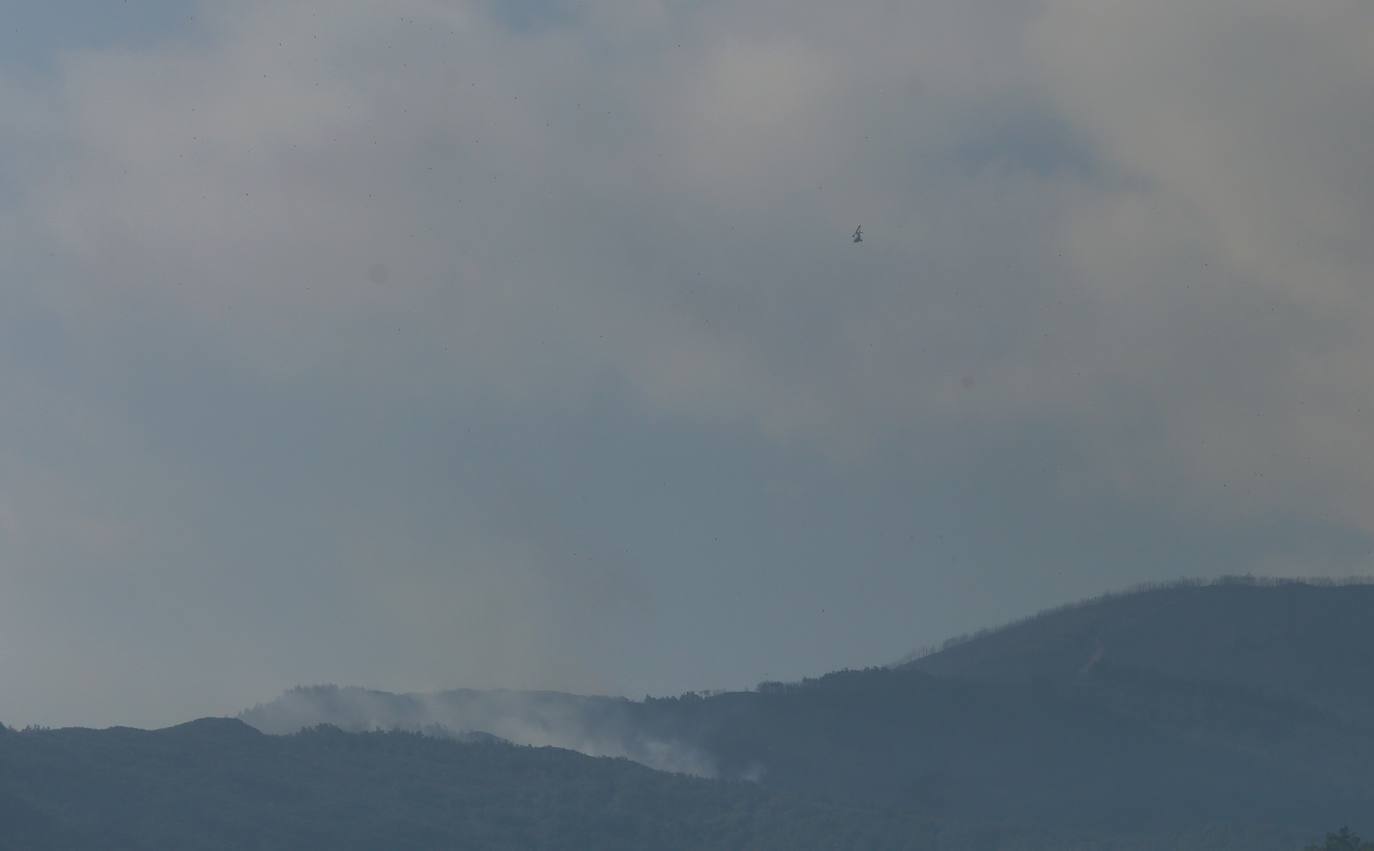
x=1115, y=269
x=1229, y=273
x=543, y=214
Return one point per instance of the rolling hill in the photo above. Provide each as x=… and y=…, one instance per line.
x=1298, y=640
x=219, y=784
x=1161, y=711
x=1232, y=715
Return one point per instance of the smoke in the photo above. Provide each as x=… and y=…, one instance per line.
x=595, y=726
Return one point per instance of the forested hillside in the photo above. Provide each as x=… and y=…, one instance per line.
x=1066, y=725
x=219, y=784
x=216, y=785
x=1302, y=641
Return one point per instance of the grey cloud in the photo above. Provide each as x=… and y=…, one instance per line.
x=1112, y=291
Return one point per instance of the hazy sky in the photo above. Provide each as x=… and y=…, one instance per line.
x=431, y=343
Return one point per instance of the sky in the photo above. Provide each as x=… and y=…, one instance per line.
x=439, y=343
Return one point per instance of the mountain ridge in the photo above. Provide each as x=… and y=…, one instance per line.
x=1299, y=639
x=1182, y=716
x=1035, y=714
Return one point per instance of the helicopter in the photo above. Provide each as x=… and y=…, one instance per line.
x=858, y=234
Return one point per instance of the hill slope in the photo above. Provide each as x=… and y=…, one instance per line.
x=1152, y=714
x=219, y=784
x=215, y=784
x=1300, y=641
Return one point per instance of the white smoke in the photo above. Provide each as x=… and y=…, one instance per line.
x=595, y=726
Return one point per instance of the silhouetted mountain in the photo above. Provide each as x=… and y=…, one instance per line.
x=219, y=784
x=1148, y=719
x=1298, y=640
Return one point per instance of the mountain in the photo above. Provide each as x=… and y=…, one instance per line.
x=218, y=784
x=1301, y=641
x=1197, y=709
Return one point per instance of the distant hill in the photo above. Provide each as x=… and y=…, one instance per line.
x=219, y=785
x=1297, y=640
x=1168, y=712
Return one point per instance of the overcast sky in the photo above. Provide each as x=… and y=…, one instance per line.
x=432, y=343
